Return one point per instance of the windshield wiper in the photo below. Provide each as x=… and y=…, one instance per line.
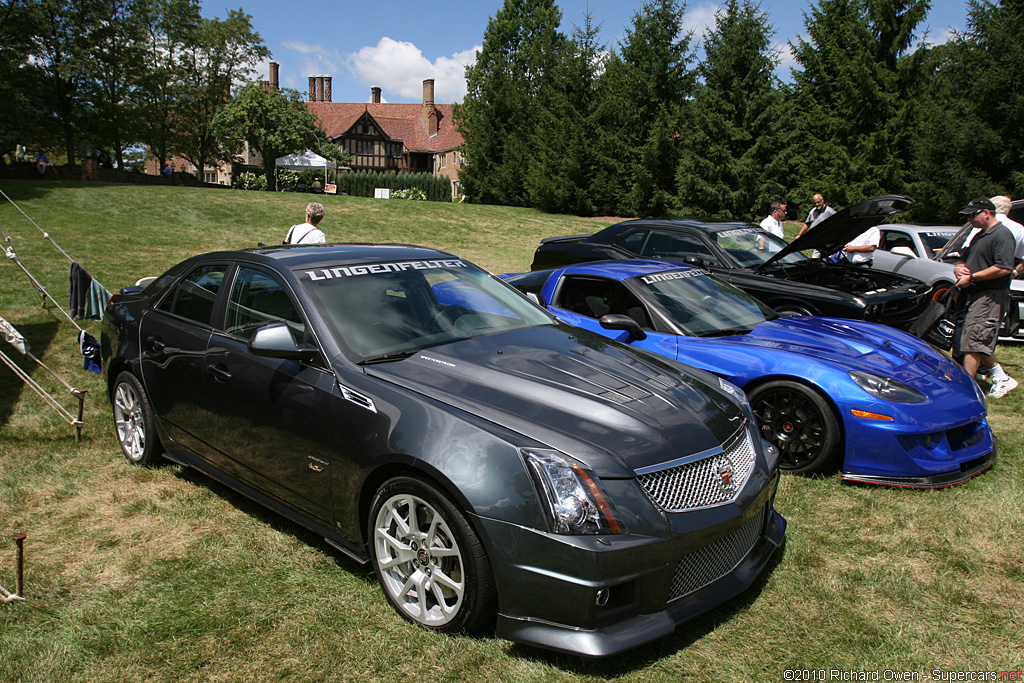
x=388, y=357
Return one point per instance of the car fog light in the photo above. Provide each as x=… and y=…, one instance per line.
x=602, y=597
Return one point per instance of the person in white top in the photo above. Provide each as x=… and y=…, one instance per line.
x=861, y=247
x=308, y=233
x=773, y=223
x=1003, y=205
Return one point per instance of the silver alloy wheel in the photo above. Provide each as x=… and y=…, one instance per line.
x=420, y=564
x=129, y=421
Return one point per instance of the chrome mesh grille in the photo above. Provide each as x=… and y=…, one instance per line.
x=712, y=562
x=712, y=480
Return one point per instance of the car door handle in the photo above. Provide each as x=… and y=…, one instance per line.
x=155, y=344
x=219, y=373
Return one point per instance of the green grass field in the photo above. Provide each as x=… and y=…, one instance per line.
x=164, y=576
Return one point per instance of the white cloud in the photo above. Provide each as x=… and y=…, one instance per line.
x=700, y=18
x=399, y=68
x=314, y=60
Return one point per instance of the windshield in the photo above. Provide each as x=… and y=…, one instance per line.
x=752, y=246
x=935, y=241
x=704, y=306
x=386, y=311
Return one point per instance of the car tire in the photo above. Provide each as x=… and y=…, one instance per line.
x=800, y=422
x=134, y=422
x=429, y=561
x=792, y=309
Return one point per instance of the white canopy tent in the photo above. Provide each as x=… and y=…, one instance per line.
x=304, y=162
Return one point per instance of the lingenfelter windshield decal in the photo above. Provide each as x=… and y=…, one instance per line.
x=738, y=231
x=378, y=268
x=673, y=275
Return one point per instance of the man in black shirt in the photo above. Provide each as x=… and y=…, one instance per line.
x=984, y=276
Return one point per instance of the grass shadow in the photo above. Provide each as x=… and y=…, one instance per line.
x=39, y=337
x=276, y=521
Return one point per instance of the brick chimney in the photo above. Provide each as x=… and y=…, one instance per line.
x=312, y=88
x=375, y=95
x=429, y=113
x=275, y=76
x=327, y=88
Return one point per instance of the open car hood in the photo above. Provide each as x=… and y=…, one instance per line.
x=836, y=231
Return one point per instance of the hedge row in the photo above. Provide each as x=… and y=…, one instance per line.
x=363, y=183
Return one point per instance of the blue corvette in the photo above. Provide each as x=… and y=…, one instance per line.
x=881, y=404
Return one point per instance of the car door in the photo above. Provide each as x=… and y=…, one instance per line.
x=173, y=341
x=273, y=416
x=582, y=300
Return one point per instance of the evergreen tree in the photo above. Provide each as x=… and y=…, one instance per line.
x=857, y=97
x=973, y=131
x=499, y=114
x=564, y=141
x=732, y=166
x=642, y=101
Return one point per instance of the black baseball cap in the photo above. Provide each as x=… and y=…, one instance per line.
x=979, y=204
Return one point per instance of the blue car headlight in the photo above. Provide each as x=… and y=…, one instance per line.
x=884, y=387
x=573, y=497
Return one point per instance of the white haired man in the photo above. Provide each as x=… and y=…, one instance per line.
x=308, y=233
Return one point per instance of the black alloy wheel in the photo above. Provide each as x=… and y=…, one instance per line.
x=800, y=422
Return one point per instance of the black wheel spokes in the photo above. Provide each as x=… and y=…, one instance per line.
x=790, y=421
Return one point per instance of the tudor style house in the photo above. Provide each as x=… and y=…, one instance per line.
x=402, y=138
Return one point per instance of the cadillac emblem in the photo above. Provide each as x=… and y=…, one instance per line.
x=726, y=474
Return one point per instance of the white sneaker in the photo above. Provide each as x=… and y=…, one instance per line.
x=1001, y=387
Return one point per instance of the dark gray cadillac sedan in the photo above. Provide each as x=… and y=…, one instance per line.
x=499, y=468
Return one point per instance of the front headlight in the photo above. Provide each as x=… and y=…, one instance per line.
x=574, y=499
x=889, y=389
x=730, y=388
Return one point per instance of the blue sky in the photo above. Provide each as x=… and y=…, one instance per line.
x=396, y=44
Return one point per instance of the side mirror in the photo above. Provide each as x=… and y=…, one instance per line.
x=617, y=321
x=532, y=296
x=694, y=261
x=276, y=341
x=904, y=251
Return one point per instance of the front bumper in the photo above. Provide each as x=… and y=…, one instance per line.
x=962, y=475
x=598, y=596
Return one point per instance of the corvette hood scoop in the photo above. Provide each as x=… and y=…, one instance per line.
x=870, y=347
x=577, y=392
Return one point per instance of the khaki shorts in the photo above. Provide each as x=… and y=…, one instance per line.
x=981, y=321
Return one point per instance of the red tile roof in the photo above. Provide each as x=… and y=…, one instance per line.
x=398, y=121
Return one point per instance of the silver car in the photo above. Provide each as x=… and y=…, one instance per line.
x=929, y=253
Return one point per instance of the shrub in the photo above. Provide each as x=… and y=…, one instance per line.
x=250, y=181
x=411, y=193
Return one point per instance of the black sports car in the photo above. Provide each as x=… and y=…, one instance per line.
x=494, y=464
x=763, y=265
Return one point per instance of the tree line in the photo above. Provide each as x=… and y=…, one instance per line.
x=103, y=78
x=565, y=124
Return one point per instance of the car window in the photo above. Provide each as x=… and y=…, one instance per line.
x=753, y=246
x=896, y=238
x=194, y=296
x=675, y=245
x=702, y=305
x=258, y=299
x=594, y=297
x=381, y=310
x=935, y=241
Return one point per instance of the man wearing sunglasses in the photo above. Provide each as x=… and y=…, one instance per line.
x=984, y=277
